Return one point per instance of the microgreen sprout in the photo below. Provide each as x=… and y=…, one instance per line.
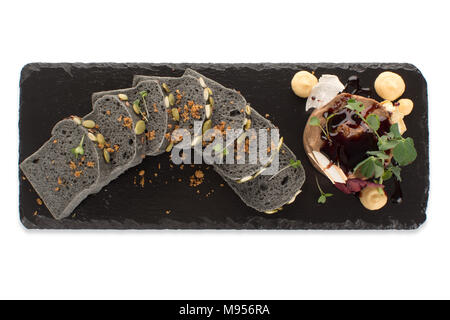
x=323, y=196
x=292, y=163
x=79, y=149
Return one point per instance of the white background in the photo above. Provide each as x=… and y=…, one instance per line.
x=227, y=264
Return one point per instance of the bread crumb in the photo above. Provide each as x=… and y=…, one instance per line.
x=35, y=213
x=142, y=172
x=168, y=211
x=39, y=201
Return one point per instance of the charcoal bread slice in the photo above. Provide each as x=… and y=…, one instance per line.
x=62, y=179
x=228, y=106
x=122, y=148
x=247, y=171
x=147, y=101
x=185, y=98
x=269, y=193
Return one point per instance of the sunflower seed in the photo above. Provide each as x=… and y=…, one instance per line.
x=106, y=156
x=248, y=124
x=175, y=114
x=211, y=101
x=92, y=137
x=123, y=97
x=202, y=82
x=165, y=87
x=205, y=94
x=248, y=110
x=100, y=138
x=171, y=99
x=208, y=111
x=206, y=126
x=140, y=127
x=166, y=102
x=76, y=119
x=88, y=124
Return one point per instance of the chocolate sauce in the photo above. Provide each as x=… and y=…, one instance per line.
x=349, y=137
x=353, y=86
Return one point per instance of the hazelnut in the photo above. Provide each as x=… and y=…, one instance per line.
x=372, y=198
x=405, y=106
x=389, y=85
x=302, y=83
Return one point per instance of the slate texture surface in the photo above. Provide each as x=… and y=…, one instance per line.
x=50, y=92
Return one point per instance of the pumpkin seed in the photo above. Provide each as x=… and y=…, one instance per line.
x=165, y=87
x=166, y=102
x=248, y=124
x=211, y=101
x=169, y=147
x=245, y=179
x=106, y=156
x=294, y=197
x=171, y=99
x=92, y=137
x=100, y=138
x=76, y=119
x=88, y=124
x=140, y=127
x=205, y=94
x=248, y=110
x=202, y=82
x=136, y=108
x=208, y=111
x=123, y=97
x=175, y=114
x=271, y=211
x=206, y=126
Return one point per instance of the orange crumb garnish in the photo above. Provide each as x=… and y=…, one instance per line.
x=78, y=173
x=142, y=172
x=72, y=165
x=39, y=201
x=90, y=164
x=127, y=122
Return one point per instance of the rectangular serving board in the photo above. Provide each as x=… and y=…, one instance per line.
x=51, y=92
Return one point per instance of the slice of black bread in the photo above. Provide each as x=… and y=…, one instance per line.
x=244, y=172
x=229, y=107
x=185, y=97
x=147, y=101
x=123, y=148
x=61, y=178
x=269, y=193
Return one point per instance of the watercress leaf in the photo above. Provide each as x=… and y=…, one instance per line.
x=374, y=122
x=295, y=164
x=405, y=152
x=387, y=175
x=322, y=199
x=396, y=171
x=367, y=169
x=395, y=131
x=314, y=121
x=327, y=195
x=378, y=154
x=378, y=169
x=387, y=145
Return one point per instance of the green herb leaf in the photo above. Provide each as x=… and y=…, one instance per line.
x=395, y=131
x=295, y=164
x=396, y=171
x=374, y=122
x=143, y=94
x=322, y=199
x=314, y=121
x=405, y=152
x=79, y=149
x=378, y=154
x=379, y=168
x=387, y=175
x=387, y=144
x=354, y=105
x=366, y=167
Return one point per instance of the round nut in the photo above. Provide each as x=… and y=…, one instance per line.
x=302, y=83
x=389, y=85
x=372, y=198
x=405, y=106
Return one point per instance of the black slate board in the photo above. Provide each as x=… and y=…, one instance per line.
x=50, y=92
